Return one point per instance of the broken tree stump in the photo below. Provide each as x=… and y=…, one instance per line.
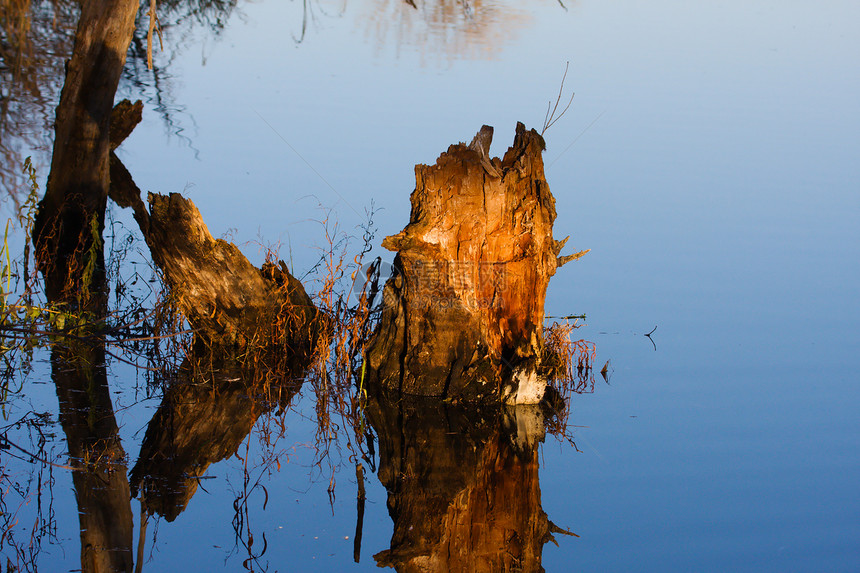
x=463, y=314
x=224, y=296
x=229, y=303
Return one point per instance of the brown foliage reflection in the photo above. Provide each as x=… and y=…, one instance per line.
x=445, y=29
x=36, y=37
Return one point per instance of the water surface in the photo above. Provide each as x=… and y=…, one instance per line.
x=709, y=162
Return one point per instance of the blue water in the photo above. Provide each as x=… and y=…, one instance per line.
x=709, y=160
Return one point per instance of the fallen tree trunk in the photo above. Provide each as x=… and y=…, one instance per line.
x=463, y=315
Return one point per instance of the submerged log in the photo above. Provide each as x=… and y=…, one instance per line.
x=463, y=316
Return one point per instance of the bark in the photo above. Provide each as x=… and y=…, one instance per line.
x=225, y=298
x=463, y=317
x=463, y=486
x=68, y=226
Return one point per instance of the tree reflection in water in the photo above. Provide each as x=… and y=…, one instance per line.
x=201, y=421
x=36, y=39
x=444, y=29
x=205, y=417
x=97, y=457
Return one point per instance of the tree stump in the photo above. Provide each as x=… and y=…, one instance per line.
x=463, y=314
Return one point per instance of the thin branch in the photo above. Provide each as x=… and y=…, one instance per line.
x=129, y=362
x=551, y=117
x=651, y=339
x=33, y=456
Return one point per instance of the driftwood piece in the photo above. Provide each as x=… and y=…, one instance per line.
x=463, y=317
x=463, y=486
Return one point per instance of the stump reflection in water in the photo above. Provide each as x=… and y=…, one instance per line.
x=463, y=485
x=202, y=420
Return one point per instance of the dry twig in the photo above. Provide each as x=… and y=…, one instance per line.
x=551, y=118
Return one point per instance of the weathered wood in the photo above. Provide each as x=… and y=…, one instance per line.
x=463, y=317
x=77, y=188
x=225, y=297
